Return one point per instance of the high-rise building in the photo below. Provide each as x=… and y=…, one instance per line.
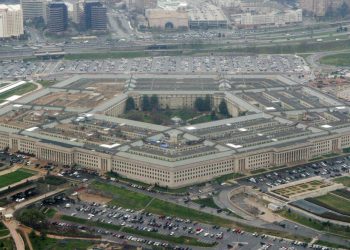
x=11, y=21
x=57, y=17
x=320, y=7
x=33, y=8
x=77, y=12
x=95, y=15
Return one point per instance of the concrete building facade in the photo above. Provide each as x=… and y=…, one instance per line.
x=166, y=19
x=95, y=15
x=33, y=8
x=96, y=138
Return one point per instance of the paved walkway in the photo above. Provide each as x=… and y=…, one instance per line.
x=12, y=226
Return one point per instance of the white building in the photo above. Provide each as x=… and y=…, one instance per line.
x=11, y=21
x=272, y=18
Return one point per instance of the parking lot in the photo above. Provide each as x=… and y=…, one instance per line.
x=166, y=226
x=183, y=64
x=327, y=169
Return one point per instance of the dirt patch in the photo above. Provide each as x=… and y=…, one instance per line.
x=88, y=197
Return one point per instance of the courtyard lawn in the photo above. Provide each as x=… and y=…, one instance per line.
x=332, y=202
x=345, y=180
x=14, y=177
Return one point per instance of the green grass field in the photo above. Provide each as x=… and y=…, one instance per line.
x=137, y=201
x=343, y=193
x=208, y=202
x=123, y=197
x=333, y=202
x=329, y=244
x=7, y=244
x=336, y=60
x=345, y=180
x=168, y=238
x=18, y=91
x=315, y=224
x=14, y=177
x=50, y=213
x=54, y=244
x=160, y=207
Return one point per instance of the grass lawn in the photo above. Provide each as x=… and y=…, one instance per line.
x=228, y=177
x=115, y=54
x=53, y=180
x=11, y=178
x=332, y=202
x=258, y=171
x=329, y=244
x=137, y=201
x=25, y=88
x=345, y=180
x=336, y=60
x=7, y=244
x=122, y=196
x=330, y=228
x=55, y=244
x=343, y=193
x=47, y=83
x=202, y=119
x=4, y=232
x=50, y=213
x=168, y=238
x=208, y=202
x=164, y=116
x=165, y=208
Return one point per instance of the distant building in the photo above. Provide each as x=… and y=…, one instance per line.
x=95, y=15
x=57, y=16
x=274, y=18
x=77, y=12
x=320, y=7
x=33, y=8
x=167, y=19
x=207, y=16
x=11, y=21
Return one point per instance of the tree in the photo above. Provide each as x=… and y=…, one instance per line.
x=223, y=108
x=203, y=104
x=154, y=101
x=213, y=116
x=33, y=218
x=199, y=104
x=43, y=235
x=146, y=105
x=130, y=104
x=207, y=103
x=329, y=12
x=343, y=10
